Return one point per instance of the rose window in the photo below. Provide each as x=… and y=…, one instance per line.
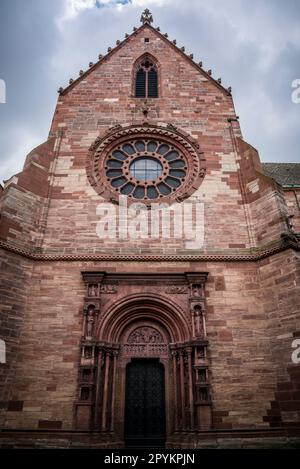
x=146, y=169
x=145, y=164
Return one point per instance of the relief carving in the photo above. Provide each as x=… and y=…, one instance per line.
x=93, y=290
x=108, y=289
x=145, y=335
x=197, y=290
x=90, y=321
x=145, y=342
x=198, y=320
x=177, y=290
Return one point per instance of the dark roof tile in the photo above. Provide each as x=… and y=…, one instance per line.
x=285, y=174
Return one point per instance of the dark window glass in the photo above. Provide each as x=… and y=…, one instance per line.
x=152, y=84
x=140, y=85
x=163, y=189
x=118, y=182
x=113, y=173
x=146, y=81
x=114, y=164
x=140, y=146
x=177, y=164
x=173, y=155
x=152, y=192
x=139, y=192
x=177, y=173
x=126, y=190
x=173, y=182
x=152, y=147
x=163, y=149
x=119, y=155
x=129, y=149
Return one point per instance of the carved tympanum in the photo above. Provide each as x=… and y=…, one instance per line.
x=145, y=335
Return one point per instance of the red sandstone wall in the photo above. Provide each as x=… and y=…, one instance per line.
x=103, y=98
x=23, y=205
x=241, y=366
x=292, y=199
x=252, y=308
x=15, y=277
x=242, y=372
x=265, y=205
x=280, y=282
x=52, y=198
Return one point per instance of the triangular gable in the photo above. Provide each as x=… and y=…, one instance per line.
x=120, y=44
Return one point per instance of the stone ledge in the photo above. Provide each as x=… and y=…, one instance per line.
x=245, y=255
x=243, y=439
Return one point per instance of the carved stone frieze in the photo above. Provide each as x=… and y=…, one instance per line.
x=177, y=290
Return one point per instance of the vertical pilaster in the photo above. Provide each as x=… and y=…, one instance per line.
x=182, y=389
x=189, y=351
x=113, y=392
x=105, y=391
x=98, y=390
x=175, y=381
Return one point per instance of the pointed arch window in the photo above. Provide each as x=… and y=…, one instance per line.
x=146, y=82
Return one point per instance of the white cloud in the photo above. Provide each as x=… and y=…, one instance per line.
x=73, y=8
x=149, y=3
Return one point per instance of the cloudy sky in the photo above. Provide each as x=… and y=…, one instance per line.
x=253, y=45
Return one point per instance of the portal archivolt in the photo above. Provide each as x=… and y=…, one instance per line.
x=154, y=321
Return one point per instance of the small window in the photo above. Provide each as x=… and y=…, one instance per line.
x=146, y=85
x=147, y=39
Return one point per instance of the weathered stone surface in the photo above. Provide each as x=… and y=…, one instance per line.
x=250, y=306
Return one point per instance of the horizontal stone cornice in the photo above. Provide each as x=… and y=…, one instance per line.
x=246, y=255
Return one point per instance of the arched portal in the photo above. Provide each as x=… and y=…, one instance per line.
x=144, y=327
x=144, y=352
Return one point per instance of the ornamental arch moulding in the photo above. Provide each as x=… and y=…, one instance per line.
x=146, y=163
x=135, y=308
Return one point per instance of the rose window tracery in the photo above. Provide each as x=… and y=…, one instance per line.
x=146, y=164
x=146, y=169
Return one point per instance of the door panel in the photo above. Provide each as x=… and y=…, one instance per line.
x=145, y=403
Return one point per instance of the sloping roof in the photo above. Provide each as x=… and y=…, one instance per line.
x=119, y=44
x=285, y=174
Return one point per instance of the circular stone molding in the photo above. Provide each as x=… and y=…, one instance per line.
x=146, y=164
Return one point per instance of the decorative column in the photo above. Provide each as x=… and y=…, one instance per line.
x=87, y=405
x=175, y=381
x=97, y=371
x=98, y=389
x=198, y=365
x=105, y=391
x=182, y=389
x=189, y=351
x=113, y=392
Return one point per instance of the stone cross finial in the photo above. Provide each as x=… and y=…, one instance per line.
x=146, y=17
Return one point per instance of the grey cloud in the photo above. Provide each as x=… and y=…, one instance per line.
x=254, y=46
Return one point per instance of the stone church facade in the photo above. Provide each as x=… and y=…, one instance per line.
x=126, y=338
